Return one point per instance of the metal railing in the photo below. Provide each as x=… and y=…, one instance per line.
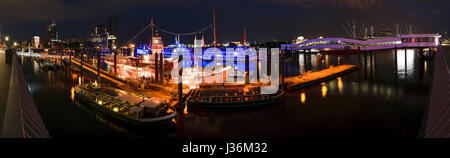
x=437, y=114
x=24, y=120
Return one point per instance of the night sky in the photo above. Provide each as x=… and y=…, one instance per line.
x=265, y=20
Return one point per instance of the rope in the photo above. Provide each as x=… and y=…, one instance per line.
x=134, y=37
x=165, y=31
x=182, y=34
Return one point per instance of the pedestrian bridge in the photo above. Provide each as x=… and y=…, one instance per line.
x=402, y=41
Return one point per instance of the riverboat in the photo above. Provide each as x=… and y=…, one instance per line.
x=125, y=108
x=231, y=97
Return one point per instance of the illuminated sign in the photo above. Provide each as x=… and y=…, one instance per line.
x=142, y=51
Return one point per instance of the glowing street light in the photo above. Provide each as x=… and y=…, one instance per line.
x=6, y=38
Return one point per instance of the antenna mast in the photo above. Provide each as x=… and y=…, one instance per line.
x=151, y=38
x=214, y=20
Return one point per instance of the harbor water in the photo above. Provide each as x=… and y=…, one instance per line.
x=379, y=100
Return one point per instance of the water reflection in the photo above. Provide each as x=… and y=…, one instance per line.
x=378, y=104
x=103, y=120
x=185, y=111
x=405, y=63
x=35, y=67
x=301, y=61
x=303, y=98
x=72, y=94
x=324, y=90
x=340, y=85
x=355, y=88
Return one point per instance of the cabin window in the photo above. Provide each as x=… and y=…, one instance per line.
x=406, y=40
x=226, y=99
x=257, y=97
x=216, y=99
x=206, y=99
x=430, y=39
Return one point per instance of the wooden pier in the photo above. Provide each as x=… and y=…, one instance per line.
x=312, y=78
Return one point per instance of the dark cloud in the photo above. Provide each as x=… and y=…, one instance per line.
x=15, y=11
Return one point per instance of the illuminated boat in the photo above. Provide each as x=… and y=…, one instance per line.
x=446, y=42
x=125, y=108
x=48, y=64
x=230, y=97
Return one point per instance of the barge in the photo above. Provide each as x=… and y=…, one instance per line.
x=125, y=108
x=231, y=97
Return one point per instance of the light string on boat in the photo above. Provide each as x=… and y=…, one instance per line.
x=183, y=34
x=166, y=31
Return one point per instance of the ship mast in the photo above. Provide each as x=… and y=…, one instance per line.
x=151, y=38
x=214, y=20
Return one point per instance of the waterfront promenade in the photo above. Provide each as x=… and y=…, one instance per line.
x=5, y=72
x=436, y=114
x=20, y=117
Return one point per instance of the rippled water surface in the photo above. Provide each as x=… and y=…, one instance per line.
x=374, y=101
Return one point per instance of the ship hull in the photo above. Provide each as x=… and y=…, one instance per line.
x=163, y=120
x=240, y=104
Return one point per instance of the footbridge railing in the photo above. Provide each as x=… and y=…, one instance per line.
x=437, y=114
x=22, y=118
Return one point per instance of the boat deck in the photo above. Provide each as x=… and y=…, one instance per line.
x=311, y=78
x=230, y=97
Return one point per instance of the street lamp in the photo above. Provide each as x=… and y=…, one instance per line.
x=6, y=38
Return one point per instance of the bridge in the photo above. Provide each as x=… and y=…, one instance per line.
x=401, y=41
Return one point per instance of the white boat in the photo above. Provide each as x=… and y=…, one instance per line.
x=446, y=42
x=30, y=52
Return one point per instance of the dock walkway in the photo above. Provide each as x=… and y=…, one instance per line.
x=312, y=78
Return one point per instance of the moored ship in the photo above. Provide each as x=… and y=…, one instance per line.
x=125, y=108
x=231, y=97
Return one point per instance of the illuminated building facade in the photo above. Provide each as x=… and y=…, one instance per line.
x=104, y=36
x=52, y=35
x=36, y=41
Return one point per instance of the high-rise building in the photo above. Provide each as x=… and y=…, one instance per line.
x=36, y=41
x=105, y=35
x=52, y=34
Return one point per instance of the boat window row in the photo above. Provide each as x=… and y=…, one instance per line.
x=418, y=39
x=384, y=43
